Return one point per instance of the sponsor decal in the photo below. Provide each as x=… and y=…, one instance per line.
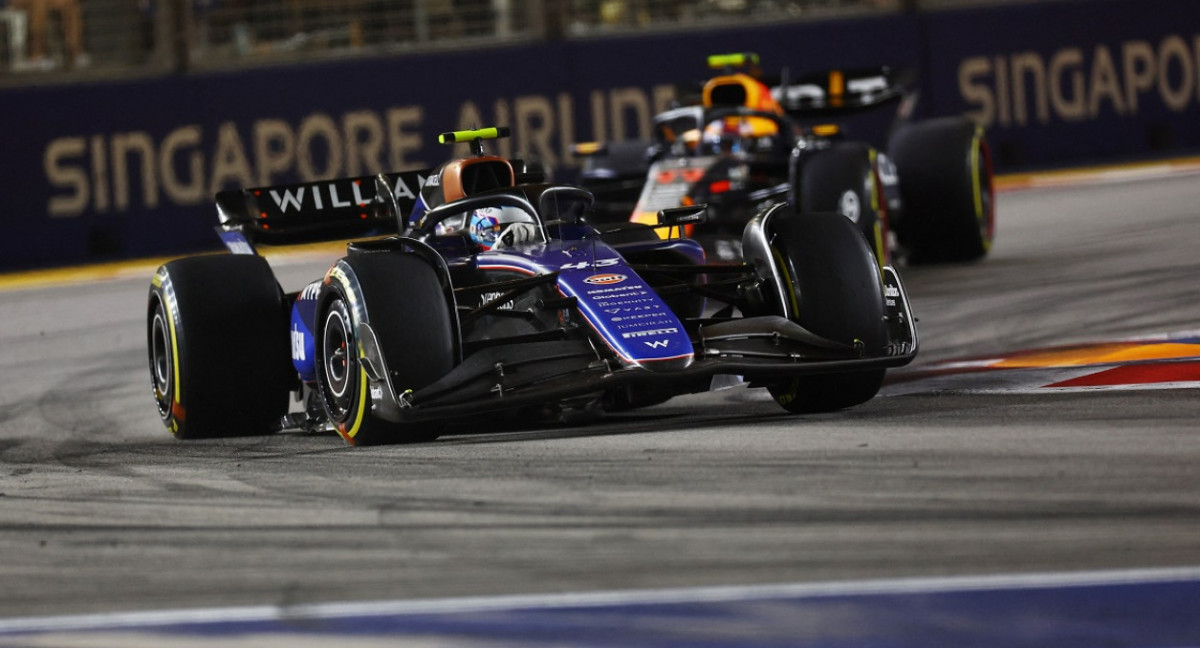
x=650, y=333
x=631, y=290
x=636, y=316
x=641, y=324
x=623, y=301
x=890, y=294
x=605, y=279
x=489, y=296
x=287, y=199
x=311, y=291
x=632, y=309
x=297, y=344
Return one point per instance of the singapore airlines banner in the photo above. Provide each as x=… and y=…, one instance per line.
x=125, y=169
x=1071, y=82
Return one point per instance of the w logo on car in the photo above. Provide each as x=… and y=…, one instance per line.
x=658, y=344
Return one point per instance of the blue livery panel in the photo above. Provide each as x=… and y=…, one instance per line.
x=627, y=314
x=304, y=313
x=635, y=322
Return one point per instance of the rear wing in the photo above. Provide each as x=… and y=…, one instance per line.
x=316, y=211
x=842, y=91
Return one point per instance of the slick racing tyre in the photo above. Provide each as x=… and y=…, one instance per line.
x=836, y=292
x=220, y=356
x=945, y=172
x=400, y=297
x=842, y=179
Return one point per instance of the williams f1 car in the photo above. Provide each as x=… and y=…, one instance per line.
x=477, y=288
x=743, y=144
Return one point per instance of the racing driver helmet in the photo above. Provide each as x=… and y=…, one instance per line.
x=501, y=226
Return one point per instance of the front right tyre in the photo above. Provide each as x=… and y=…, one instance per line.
x=835, y=290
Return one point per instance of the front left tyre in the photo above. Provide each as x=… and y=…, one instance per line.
x=217, y=339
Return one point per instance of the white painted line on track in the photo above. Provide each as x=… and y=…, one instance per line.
x=718, y=594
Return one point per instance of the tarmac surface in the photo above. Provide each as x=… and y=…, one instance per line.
x=101, y=511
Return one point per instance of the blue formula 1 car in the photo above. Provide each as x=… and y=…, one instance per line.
x=495, y=293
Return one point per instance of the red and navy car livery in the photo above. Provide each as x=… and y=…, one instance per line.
x=836, y=140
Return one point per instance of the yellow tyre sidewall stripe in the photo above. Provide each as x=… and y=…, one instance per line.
x=166, y=296
x=976, y=179
x=349, y=433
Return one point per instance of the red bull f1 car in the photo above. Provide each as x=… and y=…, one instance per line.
x=833, y=141
x=477, y=288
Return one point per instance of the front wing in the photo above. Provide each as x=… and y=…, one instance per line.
x=761, y=350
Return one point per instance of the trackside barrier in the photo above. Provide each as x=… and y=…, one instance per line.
x=123, y=169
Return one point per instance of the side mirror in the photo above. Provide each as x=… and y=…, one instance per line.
x=680, y=216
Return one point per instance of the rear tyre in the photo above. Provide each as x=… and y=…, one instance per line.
x=842, y=179
x=836, y=292
x=220, y=356
x=401, y=298
x=945, y=171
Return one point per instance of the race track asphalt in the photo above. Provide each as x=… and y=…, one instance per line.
x=102, y=511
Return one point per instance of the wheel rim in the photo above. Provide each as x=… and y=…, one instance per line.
x=162, y=366
x=337, y=361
